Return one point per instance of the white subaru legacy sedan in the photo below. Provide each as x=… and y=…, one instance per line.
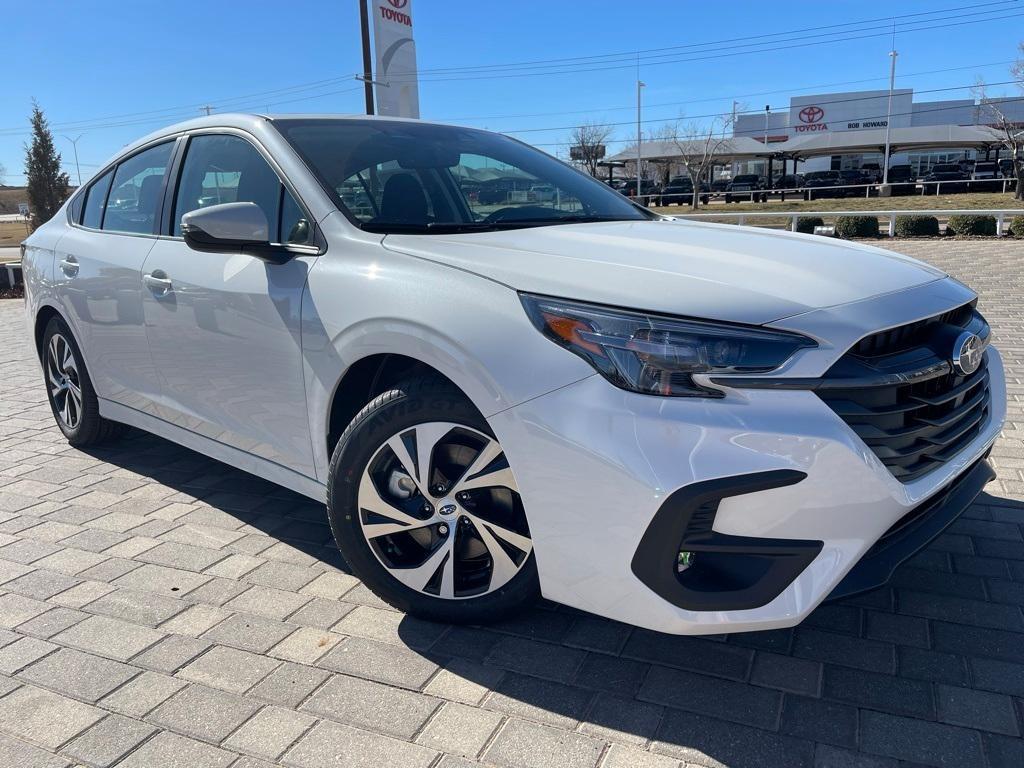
x=507, y=380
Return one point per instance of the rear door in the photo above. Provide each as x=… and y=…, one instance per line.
x=224, y=328
x=98, y=274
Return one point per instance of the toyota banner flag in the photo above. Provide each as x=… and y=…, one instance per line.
x=395, y=79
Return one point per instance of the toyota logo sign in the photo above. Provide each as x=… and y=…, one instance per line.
x=399, y=3
x=812, y=114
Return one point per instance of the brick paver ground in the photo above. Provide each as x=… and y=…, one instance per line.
x=158, y=608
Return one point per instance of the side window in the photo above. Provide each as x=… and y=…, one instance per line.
x=135, y=192
x=95, y=196
x=228, y=169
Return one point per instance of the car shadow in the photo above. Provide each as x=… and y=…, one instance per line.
x=793, y=697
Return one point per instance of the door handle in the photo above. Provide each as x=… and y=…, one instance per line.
x=157, y=282
x=69, y=266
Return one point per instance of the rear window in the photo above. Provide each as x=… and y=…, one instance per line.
x=95, y=197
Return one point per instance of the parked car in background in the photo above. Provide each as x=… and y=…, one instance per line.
x=791, y=181
x=720, y=186
x=872, y=172
x=852, y=177
x=1006, y=168
x=901, y=180
x=679, y=191
x=818, y=184
x=945, y=178
x=542, y=193
x=650, y=192
x=985, y=176
x=748, y=186
x=985, y=169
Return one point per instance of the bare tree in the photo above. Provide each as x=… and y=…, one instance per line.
x=699, y=145
x=1009, y=130
x=589, y=141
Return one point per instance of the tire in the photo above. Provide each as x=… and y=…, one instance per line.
x=69, y=389
x=432, y=562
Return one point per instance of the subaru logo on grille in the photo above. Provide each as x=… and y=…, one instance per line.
x=967, y=352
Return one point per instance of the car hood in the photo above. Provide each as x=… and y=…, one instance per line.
x=714, y=271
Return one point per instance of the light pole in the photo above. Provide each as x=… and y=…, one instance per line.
x=74, y=143
x=888, y=116
x=639, y=138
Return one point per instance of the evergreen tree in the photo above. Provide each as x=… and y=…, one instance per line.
x=47, y=184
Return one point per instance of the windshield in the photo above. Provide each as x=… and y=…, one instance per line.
x=401, y=177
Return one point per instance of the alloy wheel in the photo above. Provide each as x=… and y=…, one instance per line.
x=64, y=382
x=439, y=508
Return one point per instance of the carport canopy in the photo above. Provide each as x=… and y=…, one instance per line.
x=738, y=148
x=917, y=138
x=734, y=149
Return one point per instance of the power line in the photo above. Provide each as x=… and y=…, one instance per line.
x=751, y=111
x=885, y=32
x=789, y=90
x=632, y=55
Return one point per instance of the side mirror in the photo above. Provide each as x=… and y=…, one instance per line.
x=231, y=227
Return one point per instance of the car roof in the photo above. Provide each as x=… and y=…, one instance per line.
x=253, y=122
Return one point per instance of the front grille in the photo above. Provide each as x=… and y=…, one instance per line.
x=913, y=424
x=907, y=336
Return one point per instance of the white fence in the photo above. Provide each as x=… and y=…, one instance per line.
x=846, y=190
x=741, y=218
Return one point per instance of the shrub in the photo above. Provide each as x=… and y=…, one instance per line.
x=971, y=225
x=856, y=226
x=917, y=226
x=1017, y=226
x=806, y=224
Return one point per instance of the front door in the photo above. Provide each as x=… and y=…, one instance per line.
x=224, y=328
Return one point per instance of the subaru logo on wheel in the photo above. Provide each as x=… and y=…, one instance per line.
x=448, y=509
x=967, y=352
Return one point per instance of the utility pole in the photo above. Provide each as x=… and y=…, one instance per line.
x=74, y=143
x=367, y=78
x=639, y=136
x=207, y=109
x=888, y=112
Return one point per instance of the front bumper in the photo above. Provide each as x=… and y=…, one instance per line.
x=595, y=464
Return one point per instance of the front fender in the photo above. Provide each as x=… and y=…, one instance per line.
x=362, y=300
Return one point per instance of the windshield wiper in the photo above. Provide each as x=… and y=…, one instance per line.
x=574, y=219
x=455, y=227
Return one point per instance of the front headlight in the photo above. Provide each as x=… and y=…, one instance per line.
x=658, y=355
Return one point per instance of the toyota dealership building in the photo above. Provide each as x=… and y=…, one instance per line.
x=844, y=117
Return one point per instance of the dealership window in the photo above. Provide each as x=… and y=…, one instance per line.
x=923, y=162
x=136, y=190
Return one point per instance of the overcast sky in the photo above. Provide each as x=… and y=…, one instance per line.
x=113, y=71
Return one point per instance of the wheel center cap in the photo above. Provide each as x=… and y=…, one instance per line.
x=447, y=507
